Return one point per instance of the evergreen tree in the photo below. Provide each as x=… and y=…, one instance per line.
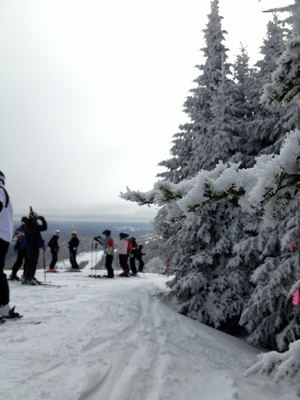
x=243, y=109
x=268, y=316
x=271, y=123
x=177, y=167
x=201, y=106
x=217, y=247
x=212, y=275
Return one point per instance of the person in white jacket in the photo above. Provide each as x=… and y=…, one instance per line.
x=123, y=250
x=6, y=234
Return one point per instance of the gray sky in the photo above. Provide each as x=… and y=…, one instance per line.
x=92, y=93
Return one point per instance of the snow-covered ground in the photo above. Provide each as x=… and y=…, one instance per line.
x=113, y=339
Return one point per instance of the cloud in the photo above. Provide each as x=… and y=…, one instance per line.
x=92, y=93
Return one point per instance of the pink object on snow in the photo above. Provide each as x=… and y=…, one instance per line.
x=296, y=297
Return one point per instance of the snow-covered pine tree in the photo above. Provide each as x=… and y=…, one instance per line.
x=267, y=312
x=243, y=107
x=271, y=123
x=213, y=82
x=177, y=167
x=285, y=365
x=210, y=256
x=212, y=277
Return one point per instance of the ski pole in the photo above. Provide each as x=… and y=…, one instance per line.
x=92, y=259
x=44, y=260
x=95, y=257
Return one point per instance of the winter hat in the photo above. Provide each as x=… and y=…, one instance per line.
x=33, y=214
x=2, y=177
x=57, y=231
x=74, y=233
x=123, y=235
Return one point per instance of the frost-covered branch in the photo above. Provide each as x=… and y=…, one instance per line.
x=285, y=79
x=280, y=365
x=268, y=185
x=162, y=193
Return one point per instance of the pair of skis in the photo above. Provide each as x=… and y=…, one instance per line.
x=20, y=319
x=44, y=283
x=49, y=284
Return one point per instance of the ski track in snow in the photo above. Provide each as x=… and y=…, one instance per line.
x=114, y=340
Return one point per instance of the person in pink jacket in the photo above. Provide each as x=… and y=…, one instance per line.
x=123, y=253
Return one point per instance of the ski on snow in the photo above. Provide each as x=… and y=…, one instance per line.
x=49, y=284
x=40, y=283
x=20, y=320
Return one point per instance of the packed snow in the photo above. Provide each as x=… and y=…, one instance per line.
x=114, y=339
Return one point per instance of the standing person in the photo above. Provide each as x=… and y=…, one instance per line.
x=123, y=253
x=20, y=248
x=54, y=248
x=108, y=244
x=6, y=233
x=73, y=245
x=139, y=257
x=34, y=242
x=132, y=256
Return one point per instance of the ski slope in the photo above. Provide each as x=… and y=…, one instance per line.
x=113, y=339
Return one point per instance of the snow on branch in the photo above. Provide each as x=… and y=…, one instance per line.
x=267, y=186
x=280, y=365
x=162, y=193
x=285, y=79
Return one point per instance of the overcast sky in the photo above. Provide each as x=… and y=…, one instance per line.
x=92, y=93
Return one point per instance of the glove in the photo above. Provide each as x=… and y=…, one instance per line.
x=34, y=214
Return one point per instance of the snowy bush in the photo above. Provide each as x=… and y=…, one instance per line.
x=279, y=365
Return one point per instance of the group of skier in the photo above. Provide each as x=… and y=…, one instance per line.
x=30, y=241
x=25, y=252
x=127, y=249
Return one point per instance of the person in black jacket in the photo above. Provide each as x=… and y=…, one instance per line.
x=34, y=242
x=54, y=248
x=20, y=248
x=73, y=245
x=139, y=258
x=132, y=256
